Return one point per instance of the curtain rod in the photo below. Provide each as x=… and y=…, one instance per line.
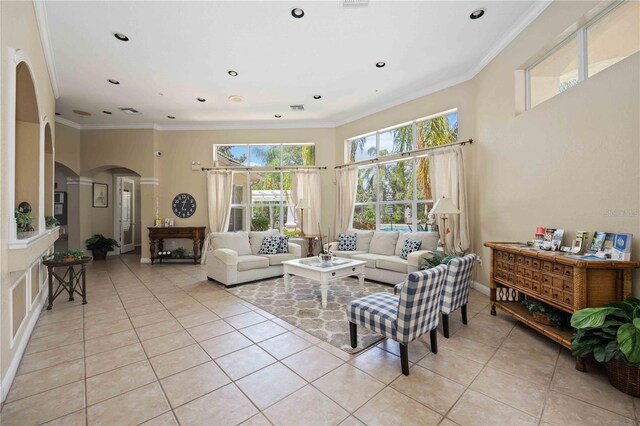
x=264, y=169
x=403, y=154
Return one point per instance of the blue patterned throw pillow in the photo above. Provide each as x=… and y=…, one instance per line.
x=409, y=246
x=283, y=246
x=347, y=242
x=270, y=245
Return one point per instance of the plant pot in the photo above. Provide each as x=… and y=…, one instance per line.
x=542, y=318
x=624, y=377
x=68, y=259
x=99, y=255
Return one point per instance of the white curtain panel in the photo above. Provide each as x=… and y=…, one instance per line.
x=305, y=184
x=446, y=167
x=219, y=192
x=346, y=183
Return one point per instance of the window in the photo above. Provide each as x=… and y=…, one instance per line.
x=396, y=194
x=261, y=198
x=607, y=39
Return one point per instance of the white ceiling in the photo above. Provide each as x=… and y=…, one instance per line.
x=184, y=50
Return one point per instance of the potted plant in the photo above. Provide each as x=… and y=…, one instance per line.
x=100, y=245
x=179, y=253
x=545, y=314
x=66, y=256
x=51, y=222
x=24, y=220
x=612, y=334
x=435, y=260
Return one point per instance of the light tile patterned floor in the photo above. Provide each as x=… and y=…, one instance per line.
x=161, y=345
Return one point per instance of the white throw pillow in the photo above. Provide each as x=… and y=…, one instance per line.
x=384, y=242
x=363, y=239
x=429, y=240
x=236, y=241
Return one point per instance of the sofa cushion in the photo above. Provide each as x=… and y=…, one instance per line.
x=367, y=257
x=347, y=242
x=384, y=242
x=277, y=259
x=248, y=262
x=255, y=238
x=270, y=245
x=347, y=254
x=363, y=240
x=236, y=241
x=429, y=240
x=392, y=263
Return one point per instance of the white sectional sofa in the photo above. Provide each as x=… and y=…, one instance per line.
x=234, y=258
x=381, y=250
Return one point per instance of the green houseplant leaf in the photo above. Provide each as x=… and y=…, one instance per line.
x=591, y=317
x=629, y=341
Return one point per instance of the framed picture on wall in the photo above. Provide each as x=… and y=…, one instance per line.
x=100, y=195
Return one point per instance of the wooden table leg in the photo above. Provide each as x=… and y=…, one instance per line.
x=50, y=270
x=310, y=248
x=72, y=283
x=84, y=285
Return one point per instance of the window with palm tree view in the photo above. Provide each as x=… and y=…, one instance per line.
x=396, y=194
x=261, y=199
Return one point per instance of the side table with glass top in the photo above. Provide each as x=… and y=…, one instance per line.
x=72, y=281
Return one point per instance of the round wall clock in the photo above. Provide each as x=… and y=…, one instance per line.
x=184, y=205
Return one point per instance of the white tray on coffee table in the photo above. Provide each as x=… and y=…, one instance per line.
x=313, y=269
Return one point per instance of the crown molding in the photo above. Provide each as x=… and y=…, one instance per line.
x=43, y=28
x=68, y=123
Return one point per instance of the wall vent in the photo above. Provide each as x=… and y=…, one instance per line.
x=296, y=107
x=355, y=3
x=129, y=110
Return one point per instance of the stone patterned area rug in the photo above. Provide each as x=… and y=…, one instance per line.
x=302, y=306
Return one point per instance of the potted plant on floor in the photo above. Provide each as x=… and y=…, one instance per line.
x=612, y=334
x=100, y=246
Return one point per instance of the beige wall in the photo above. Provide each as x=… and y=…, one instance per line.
x=68, y=147
x=18, y=31
x=28, y=166
x=572, y=162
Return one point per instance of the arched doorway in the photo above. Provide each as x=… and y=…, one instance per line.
x=27, y=149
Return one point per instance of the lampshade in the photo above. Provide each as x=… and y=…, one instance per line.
x=302, y=204
x=444, y=206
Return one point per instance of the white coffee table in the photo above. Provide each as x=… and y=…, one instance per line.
x=312, y=269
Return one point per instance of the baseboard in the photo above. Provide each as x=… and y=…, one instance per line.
x=145, y=260
x=481, y=288
x=7, y=380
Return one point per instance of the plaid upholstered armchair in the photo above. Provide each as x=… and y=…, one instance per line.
x=455, y=292
x=403, y=317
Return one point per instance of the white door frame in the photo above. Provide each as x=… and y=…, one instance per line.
x=117, y=216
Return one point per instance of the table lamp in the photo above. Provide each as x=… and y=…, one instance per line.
x=302, y=204
x=444, y=206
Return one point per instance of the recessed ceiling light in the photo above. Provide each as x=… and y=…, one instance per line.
x=57, y=113
x=112, y=81
x=107, y=112
x=236, y=98
x=201, y=99
x=171, y=117
x=297, y=13
x=380, y=64
x=121, y=36
x=232, y=73
x=317, y=96
x=277, y=116
x=476, y=14
x=81, y=112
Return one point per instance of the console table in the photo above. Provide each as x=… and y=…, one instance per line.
x=157, y=235
x=71, y=281
x=566, y=282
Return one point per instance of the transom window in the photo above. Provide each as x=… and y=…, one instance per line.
x=609, y=38
x=396, y=194
x=261, y=197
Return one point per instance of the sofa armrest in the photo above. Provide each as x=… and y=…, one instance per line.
x=295, y=249
x=416, y=258
x=227, y=256
x=332, y=246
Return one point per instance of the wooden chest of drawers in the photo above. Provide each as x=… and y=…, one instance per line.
x=565, y=282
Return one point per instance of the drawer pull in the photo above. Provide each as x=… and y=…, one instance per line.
x=333, y=274
x=353, y=269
